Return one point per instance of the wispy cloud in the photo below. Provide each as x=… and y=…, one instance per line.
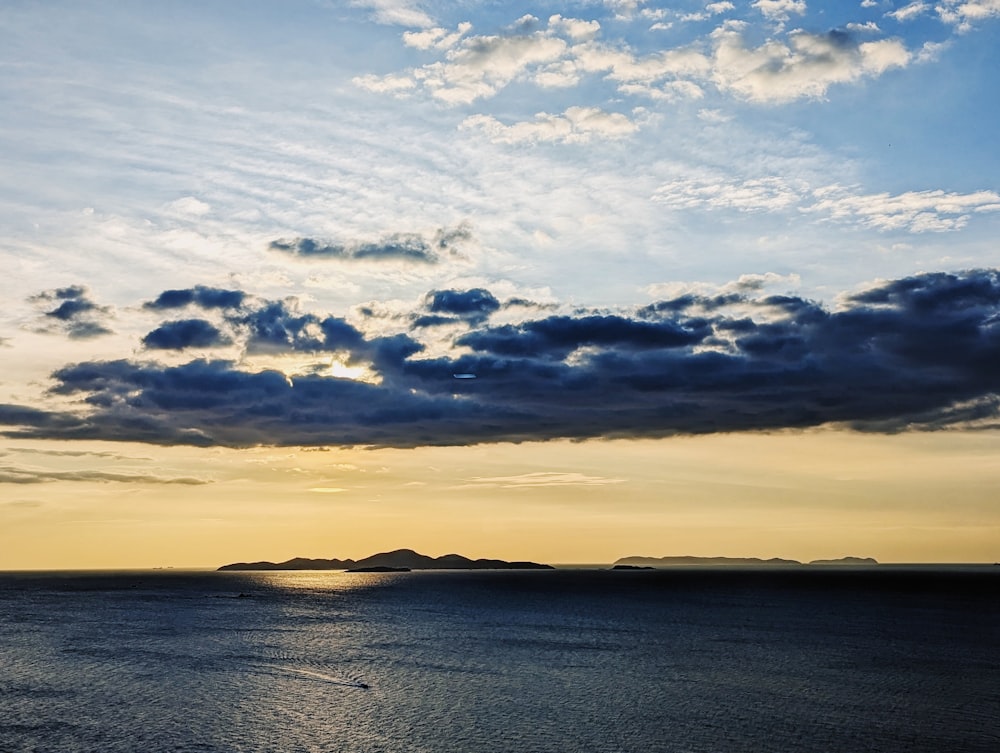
x=14, y=475
x=70, y=453
x=909, y=12
x=396, y=12
x=538, y=480
x=577, y=125
x=913, y=211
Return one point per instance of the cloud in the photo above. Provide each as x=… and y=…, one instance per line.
x=921, y=352
x=70, y=453
x=557, y=336
x=76, y=315
x=477, y=67
x=473, y=305
x=205, y=297
x=913, y=211
x=558, y=55
x=277, y=326
x=561, y=53
x=804, y=67
x=779, y=10
x=620, y=65
x=909, y=12
x=770, y=193
x=576, y=125
x=435, y=38
x=962, y=13
x=395, y=12
x=189, y=205
x=714, y=116
x=185, y=333
x=574, y=28
x=12, y=475
x=712, y=9
x=407, y=247
x=538, y=480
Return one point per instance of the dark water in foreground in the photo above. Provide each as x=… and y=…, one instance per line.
x=501, y=661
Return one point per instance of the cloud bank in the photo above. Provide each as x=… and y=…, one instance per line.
x=921, y=352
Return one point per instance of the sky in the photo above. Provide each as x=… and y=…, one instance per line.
x=555, y=281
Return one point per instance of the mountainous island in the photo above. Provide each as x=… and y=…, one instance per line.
x=395, y=561
x=688, y=561
x=864, y=561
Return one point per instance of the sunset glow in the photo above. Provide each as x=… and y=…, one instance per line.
x=561, y=282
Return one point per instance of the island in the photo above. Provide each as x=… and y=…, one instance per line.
x=689, y=561
x=855, y=561
x=399, y=560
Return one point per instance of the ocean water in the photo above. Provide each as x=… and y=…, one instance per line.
x=561, y=661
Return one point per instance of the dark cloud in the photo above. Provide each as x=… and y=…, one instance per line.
x=76, y=315
x=411, y=247
x=60, y=294
x=71, y=308
x=185, y=333
x=400, y=247
x=518, y=302
x=557, y=336
x=434, y=320
x=85, y=330
x=917, y=353
x=275, y=326
x=462, y=306
x=842, y=38
x=205, y=297
x=473, y=305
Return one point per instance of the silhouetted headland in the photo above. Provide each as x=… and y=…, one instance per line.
x=688, y=561
x=395, y=561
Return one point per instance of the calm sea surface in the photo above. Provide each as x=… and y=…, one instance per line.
x=565, y=661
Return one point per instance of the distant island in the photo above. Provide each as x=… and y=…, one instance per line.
x=847, y=561
x=688, y=561
x=400, y=560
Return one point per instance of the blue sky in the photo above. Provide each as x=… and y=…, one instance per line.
x=631, y=220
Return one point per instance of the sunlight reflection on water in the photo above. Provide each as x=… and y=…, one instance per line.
x=492, y=661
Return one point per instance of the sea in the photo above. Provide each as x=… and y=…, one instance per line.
x=686, y=660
